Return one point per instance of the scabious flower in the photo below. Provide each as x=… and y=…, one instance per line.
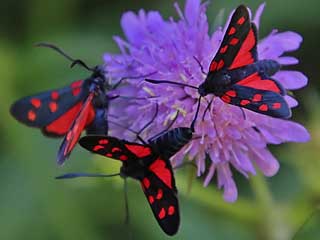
x=167, y=48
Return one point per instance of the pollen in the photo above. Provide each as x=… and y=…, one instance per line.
x=149, y=91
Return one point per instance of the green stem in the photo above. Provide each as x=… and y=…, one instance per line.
x=271, y=224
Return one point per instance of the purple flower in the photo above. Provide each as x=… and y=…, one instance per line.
x=168, y=47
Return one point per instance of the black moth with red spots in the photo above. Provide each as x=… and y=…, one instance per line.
x=238, y=77
x=67, y=111
x=148, y=163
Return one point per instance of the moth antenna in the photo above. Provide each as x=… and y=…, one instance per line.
x=142, y=129
x=135, y=77
x=60, y=51
x=76, y=175
x=151, y=120
x=196, y=115
x=207, y=109
x=170, y=82
x=200, y=65
x=132, y=98
x=243, y=113
x=165, y=130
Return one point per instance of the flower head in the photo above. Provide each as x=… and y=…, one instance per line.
x=167, y=48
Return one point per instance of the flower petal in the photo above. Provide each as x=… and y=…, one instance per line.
x=265, y=161
x=191, y=11
x=258, y=14
x=291, y=101
x=274, y=45
x=287, y=60
x=291, y=80
x=225, y=180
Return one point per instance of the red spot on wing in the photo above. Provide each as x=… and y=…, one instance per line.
x=241, y=20
x=244, y=56
x=109, y=155
x=224, y=49
x=36, y=102
x=54, y=95
x=76, y=91
x=82, y=120
x=76, y=84
x=115, y=149
x=263, y=108
x=151, y=199
x=171, y=210
x=257, y=98
x=63, y=123
x=123, y=158
x=244, y=102
x=53, y=106
x=103, y=141
x=220, y=64
x=76, y=87
x=32, y=116
x=234, y=41
x=232, y=31
x=98, y=147
x=231, y=93
x=159, y=194
x=139, y=150
x=146, y=182
x=158, y=167
x=213, y=66
x=255, y=81
x=162, y=213
x=226, y=98
x=276, y=105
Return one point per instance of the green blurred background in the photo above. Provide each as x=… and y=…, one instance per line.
x=35, y=206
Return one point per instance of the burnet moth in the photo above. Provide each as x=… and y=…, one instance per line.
x=148, y=162
x=237, y=76
x=67, y=111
